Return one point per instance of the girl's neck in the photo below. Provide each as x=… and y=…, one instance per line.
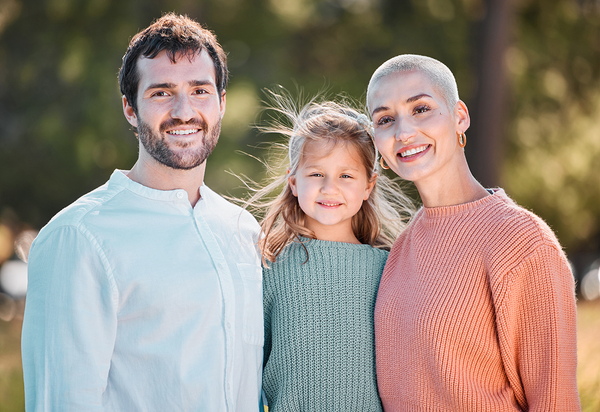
x=333, y=234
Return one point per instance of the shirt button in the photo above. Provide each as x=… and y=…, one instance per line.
x=180, y=195
x=228, y=325
x=228, y=387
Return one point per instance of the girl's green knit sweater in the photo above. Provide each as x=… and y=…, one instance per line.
x=319, y=337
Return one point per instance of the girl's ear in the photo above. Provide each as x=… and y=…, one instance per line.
x=370, y=186
x=292, y=183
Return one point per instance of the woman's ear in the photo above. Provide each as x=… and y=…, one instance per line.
x=463, y=120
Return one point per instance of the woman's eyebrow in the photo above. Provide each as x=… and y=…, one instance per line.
x=417, y=97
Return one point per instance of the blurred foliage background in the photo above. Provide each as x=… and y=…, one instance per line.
x=527, y=69
x=62, y=131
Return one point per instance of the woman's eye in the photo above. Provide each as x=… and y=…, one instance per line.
x=421, y=109
x=384, y=120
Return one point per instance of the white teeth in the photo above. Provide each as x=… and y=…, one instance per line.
x=183, y=132
x=413, y=151
x=330, y=204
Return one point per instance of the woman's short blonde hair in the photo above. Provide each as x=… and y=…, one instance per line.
x=437, y=72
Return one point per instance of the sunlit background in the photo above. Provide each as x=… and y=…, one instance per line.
x=529, y=71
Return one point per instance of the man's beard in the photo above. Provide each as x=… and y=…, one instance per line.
x=156, y=145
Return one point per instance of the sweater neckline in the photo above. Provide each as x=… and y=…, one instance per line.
x=446, y=211
x=329, y=243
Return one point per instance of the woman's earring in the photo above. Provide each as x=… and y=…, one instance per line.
x=382, y=163
x=462, y=139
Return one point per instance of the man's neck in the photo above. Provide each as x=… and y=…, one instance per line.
x=157, y=176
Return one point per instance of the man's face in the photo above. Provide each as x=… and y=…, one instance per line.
x=179, y=110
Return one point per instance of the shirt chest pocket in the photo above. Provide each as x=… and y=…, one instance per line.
x=253, y=303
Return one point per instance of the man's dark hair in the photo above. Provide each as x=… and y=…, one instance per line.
x=179, y=36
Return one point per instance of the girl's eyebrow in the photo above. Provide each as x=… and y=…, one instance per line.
x=317, y=167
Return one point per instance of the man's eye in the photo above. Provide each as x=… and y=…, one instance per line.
x=159, y=94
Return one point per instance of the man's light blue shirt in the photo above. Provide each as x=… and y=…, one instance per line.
x=138, y=302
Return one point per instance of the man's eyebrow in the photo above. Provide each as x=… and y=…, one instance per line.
x=200, y=83
x=417, y=97
x=161, y=86
x=193, y=83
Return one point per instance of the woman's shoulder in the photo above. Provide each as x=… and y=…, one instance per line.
x=508, y=219
x=516, y=235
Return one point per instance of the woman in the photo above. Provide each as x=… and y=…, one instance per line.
x=476, y=307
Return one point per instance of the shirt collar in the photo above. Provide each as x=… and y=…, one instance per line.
x=119, y=178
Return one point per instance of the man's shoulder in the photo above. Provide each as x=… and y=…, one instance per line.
x=227, y=210
x=75, y=213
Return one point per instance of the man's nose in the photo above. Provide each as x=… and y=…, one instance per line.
x=182, y=108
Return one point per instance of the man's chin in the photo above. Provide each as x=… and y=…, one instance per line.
x=182, y=163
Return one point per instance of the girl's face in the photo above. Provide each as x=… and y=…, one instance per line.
x=415, y=131
x=331, y=189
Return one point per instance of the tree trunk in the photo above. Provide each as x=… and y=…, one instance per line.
x=487, y=132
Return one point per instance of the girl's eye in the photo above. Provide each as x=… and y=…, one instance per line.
x=346, y=176
x=316, y=175
x=421, y=109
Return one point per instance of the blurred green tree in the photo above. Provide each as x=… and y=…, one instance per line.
x=62, y=131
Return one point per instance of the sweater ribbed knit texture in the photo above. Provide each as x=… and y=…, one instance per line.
x=319, y=337
x=476, y=312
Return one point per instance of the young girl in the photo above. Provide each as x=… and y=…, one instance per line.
x=323, y=249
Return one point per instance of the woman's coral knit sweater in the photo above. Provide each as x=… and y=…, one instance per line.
x=476, y=312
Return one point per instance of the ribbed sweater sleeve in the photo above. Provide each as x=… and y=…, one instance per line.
x=536, y=331
x=476, y=312
x=319, y=332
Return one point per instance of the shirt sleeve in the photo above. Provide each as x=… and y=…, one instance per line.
x=70, y=322
x=536, y=321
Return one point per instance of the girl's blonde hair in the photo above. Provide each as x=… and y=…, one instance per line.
x=382, y=216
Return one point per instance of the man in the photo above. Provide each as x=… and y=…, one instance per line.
x=146, y=294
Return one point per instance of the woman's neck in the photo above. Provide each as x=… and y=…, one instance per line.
x=458, y=187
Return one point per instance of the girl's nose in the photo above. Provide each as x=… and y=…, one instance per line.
x=329, y=186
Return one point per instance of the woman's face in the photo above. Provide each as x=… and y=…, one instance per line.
x=415, y=131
